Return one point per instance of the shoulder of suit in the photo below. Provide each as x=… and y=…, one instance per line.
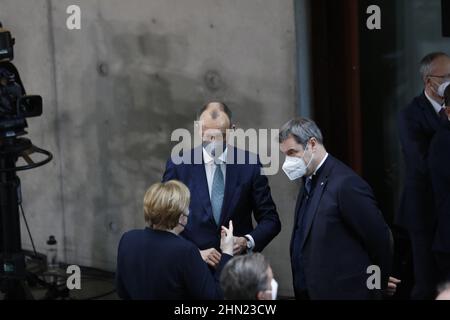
x=414, y=110
x=345, y=174
x=131, y=235
x=415, y=104
x=180, y=159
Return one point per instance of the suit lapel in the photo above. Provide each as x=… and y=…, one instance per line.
x=297, y=208
x=313, y=206
x=198, y=175
x=430, y=114
x=319, y=188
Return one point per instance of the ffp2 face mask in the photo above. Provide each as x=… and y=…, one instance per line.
x=296, y=168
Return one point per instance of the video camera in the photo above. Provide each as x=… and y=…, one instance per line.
x=15, y=105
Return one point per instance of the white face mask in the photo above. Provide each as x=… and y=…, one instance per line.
x=442, y=87
x=214, y=148
x=296, y=168
x=274, y=286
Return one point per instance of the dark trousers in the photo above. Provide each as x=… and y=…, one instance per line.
x=425, y=270
x=302, y=295
x=443, y=264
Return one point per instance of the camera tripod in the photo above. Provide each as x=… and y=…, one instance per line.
x=13, y=275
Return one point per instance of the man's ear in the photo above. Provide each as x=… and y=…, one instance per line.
x=314, y=143
x=427, y=82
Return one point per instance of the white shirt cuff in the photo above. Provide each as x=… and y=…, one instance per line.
x=252, y=242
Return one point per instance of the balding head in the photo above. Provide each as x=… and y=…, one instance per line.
x=215, y=110
x=215, y=119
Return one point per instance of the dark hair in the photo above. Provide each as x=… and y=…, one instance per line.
x=223, y=107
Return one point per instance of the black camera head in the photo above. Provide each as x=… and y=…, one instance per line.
x=6, y=44
x=15, y=104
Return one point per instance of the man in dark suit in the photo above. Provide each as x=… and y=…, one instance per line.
x=439, y=166
x=417, y=124
x=339, y=233
x=223, y=189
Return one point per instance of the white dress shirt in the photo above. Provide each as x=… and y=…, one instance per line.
x=436, y=106
x=320, y=164
x=318, y=167
x=210, y=169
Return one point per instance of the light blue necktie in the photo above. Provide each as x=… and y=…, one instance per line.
x=217, y=192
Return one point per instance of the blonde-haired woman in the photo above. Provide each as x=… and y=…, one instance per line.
x=155, y=263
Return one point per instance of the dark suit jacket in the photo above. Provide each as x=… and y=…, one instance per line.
x=346, y=233
x=417, y=125
x=159, y=265
x=246, y=191
x=439, y=164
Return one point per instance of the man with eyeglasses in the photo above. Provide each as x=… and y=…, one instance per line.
x=418, y=123
x=438, y=164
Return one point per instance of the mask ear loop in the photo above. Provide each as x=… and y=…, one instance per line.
x=312, y=156
x=179, y=223
x=436, y=91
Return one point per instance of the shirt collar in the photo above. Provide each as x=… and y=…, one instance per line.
x=319, y=166
x=207, y=158
x=436, y=106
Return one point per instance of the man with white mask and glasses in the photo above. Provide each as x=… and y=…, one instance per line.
x=439, y=167
x=417, y=125
x=339, y=233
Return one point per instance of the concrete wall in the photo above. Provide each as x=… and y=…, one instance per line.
x=116, y=89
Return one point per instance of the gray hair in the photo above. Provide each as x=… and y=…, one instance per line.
x=244, y=276
x=302, y=130
x=426, y=64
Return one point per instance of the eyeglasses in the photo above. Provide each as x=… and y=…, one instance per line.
x=446, y=77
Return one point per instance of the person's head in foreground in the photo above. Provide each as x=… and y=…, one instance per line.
x=444, y=292
x=166, y=206
x=248, y=277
